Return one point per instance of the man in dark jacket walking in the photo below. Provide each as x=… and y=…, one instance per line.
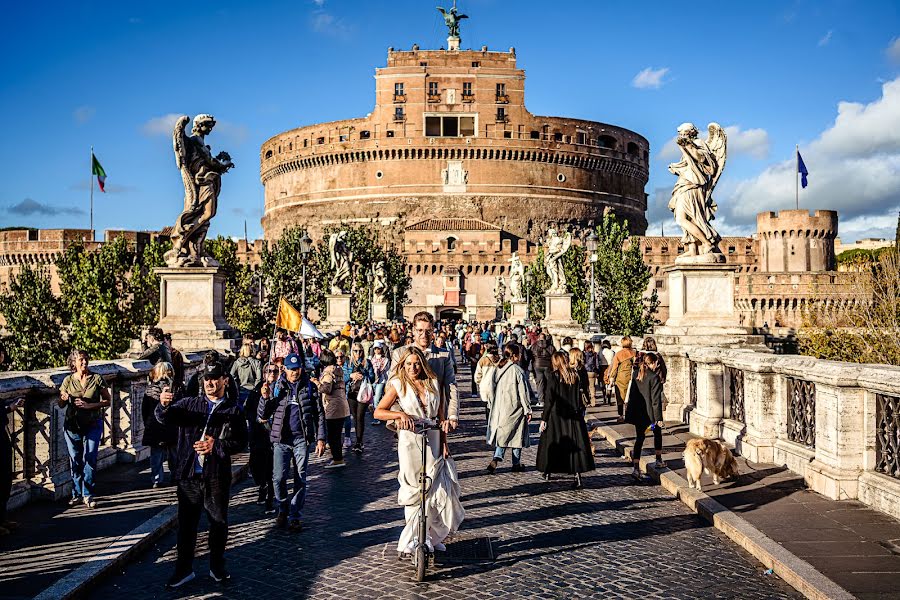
x=211, y=428
x=542, y=351
x=298, y=421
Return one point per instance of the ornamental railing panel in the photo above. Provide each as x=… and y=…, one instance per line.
x=693, y=383
x=736, y=394
x=887, y=435
x=801, y=412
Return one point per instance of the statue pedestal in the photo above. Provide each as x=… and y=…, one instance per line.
x=337, y=311
x=520, y=312
x=558, y=309
x=453, y=43
x=379, y=311
x=192, y=309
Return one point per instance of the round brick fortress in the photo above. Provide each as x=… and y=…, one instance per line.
x=450, y=137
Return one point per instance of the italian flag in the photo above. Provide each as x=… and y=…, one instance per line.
x=97, y=170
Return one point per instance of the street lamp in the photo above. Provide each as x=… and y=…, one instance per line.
x=370, y=277
x=591, y=243
x=528, y=279
x=305, y=249
x=394, y=314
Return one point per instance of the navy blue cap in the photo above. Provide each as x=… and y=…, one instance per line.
x=292, y=361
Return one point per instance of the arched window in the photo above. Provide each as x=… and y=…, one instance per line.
x=607, y=141
x=451, y=243
x=632, y=148
x=268, y=154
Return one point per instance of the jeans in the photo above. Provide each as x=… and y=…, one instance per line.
x=540, y=374
x=194, y=497
x=282, y=455
x=347, y=423
x=83, y=450
x=499, y=453
x=158, y=455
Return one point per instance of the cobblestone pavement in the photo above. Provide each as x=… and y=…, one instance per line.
x=613, y=539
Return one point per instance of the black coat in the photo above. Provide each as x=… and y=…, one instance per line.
x=226, y=425
x=155, y=433
x=564, y=445
x=645, y=401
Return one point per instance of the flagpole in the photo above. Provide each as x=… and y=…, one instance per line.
x=797, y=176
x=92, y=193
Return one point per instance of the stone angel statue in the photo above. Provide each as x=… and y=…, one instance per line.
x=516, y=279
x=341, y=259
x=554, y=248
x=452, y=19
x=201, y=173
x=698, y=171
x=379, y=281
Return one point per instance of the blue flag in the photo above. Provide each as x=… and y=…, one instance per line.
x=801, y=168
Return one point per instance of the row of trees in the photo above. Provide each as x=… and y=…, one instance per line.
x=622, y=304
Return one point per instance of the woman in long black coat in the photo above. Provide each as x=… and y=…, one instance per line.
x=564, y=445
x=645, y=408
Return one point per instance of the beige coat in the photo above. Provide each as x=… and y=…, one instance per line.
x=334, y=394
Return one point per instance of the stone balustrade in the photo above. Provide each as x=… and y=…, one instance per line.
x=835, y=424
x=40, y=458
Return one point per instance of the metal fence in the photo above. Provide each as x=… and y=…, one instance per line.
x=887, y=435
x=735, y=394
x=801, y=412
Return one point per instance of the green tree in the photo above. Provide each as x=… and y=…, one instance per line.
x=241, y=310
x=576, y=284
x=621, y=277
x=97, y=297
x=34, y=316
x=145, y=282
x=282, y=271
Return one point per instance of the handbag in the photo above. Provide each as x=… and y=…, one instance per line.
x=366, y=392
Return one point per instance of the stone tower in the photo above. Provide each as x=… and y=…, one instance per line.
x=795, y=241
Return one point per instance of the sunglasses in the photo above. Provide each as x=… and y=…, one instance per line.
x=268, y=371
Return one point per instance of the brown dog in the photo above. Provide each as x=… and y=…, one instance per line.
x=710, y=456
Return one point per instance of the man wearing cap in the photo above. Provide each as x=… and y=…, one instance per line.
x=440, y=362
x=298, y=421
x=211, y=428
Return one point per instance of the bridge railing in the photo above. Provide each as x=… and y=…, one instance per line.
x=40, y=461
x=835, y=424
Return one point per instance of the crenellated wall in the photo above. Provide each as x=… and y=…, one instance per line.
x=796, y=241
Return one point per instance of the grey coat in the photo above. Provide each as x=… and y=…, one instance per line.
x=510, y=404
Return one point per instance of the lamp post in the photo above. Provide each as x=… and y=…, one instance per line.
x=305, y=249
x=394, y=313
x=591, y=243
x=370, y=278
x=528, y=279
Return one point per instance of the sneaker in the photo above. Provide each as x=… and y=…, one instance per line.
x=356, y=448
x=335, y=464
x=179, y=579
x=281, y=521
x=155, y=486
x=636, y=475
x=660, y=464
x=347, y=442
x=219, y=575
x=439, y=547
x=90, y=502
x=295, y=525
x=75, y=501
x=492, y=466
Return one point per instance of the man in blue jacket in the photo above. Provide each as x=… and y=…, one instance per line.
x=211, y=428
x=298, y=421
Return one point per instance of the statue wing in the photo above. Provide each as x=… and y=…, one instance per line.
x=179, y=140
x=718, y=145
x=442, y=11
x=460, y=17
x=332, y=240
x=567, y=243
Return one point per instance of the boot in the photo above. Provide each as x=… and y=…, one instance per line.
x=492, y=466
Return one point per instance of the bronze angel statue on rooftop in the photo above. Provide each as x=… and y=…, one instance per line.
x=201, y=173
x=698, y=171
x=452, y=19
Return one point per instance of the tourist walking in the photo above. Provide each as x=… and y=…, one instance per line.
x=297, y=424
x=542, y=352
x=592, y=366
x=330, y=385
x=177, y=360
x=381, y=367
x=645, y=409
x=606, y=358
x=412, y=396
x=259, y=428
x=619, y=374
x=211, y=428
x=649, y=345
x=359, y=373
x=84, y=395
x=483, y=379
x=576, y=360
x=158, y=437
x=564, y=445
x=510, y=409
x=284, y=344
x=246, y=372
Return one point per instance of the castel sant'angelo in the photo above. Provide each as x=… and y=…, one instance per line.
x=453, y=170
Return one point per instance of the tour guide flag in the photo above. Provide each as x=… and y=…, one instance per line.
x=288, y=317
x=801, y=168
x=97, y=170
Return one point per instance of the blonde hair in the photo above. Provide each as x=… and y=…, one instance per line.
x=576, y=359
x=626, y=342
x=162, y=370
x=560, y=363
x=362, y=352
x=246, y=351
x=403, y=377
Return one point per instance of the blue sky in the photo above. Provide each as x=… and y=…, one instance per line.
x=822, y=74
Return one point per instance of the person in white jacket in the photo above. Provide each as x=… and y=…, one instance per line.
x=508, y=397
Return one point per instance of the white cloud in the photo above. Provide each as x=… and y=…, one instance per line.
x=650, y=78
x=893, y=50
x=160, y=125
x=326, y=23
x=854, y=168
x=83, y=114
x=752, y=142
x=869, y=226
x=319, y=3
x=825, y=38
